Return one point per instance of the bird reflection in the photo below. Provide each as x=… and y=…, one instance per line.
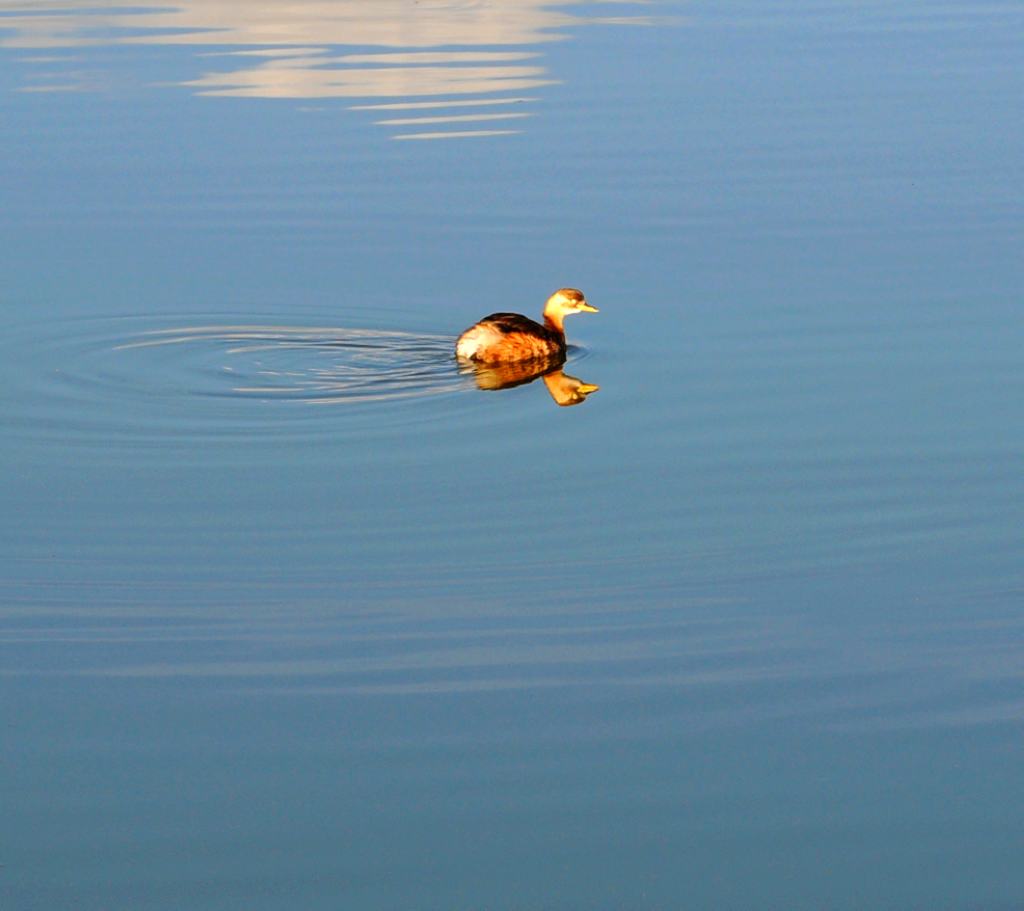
x=563, y=388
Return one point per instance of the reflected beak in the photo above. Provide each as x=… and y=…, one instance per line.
x=586, y=308
x=587, y=388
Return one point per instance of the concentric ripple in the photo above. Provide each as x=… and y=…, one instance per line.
x=139, y=378
x=302, y=364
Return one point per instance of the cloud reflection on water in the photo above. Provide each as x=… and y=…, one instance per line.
x=288, y=49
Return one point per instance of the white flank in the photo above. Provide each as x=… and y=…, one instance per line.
x=474, y=339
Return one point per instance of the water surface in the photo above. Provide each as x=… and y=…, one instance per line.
x=296, y=613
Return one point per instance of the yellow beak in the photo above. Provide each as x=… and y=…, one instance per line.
x=586, y=308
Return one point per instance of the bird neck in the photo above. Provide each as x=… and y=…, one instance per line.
x=553, y=320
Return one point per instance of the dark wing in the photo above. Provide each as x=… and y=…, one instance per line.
x=514, y=322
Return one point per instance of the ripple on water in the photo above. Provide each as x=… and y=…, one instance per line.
x=142, y=379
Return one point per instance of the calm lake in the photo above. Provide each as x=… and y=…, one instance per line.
x=297, y=614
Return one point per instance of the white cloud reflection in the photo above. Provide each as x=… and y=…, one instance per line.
x=458, y=53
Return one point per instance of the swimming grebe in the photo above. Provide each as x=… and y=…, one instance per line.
x=504, y=337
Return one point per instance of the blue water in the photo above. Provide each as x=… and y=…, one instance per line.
x=296, y=613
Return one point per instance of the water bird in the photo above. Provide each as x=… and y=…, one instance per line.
x=503, y=338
